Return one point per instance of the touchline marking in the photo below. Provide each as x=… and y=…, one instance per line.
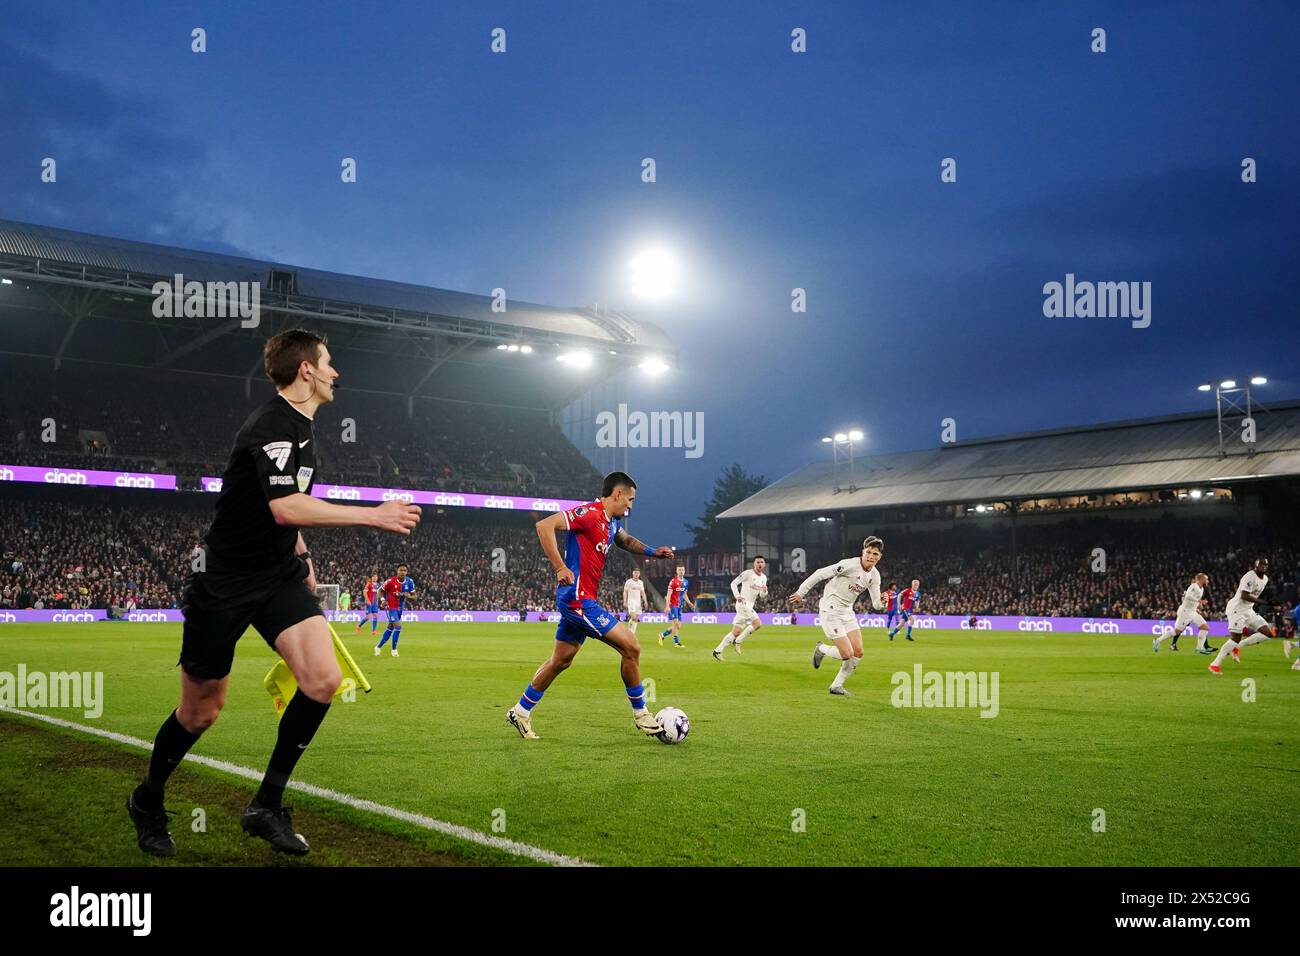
x=357, y=803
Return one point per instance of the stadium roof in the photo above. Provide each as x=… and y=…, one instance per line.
x=1173, y=451
x=96, y=283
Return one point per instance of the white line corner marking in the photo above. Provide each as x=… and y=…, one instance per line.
x=357, y=803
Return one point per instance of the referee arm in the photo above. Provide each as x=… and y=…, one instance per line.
x=304, y=511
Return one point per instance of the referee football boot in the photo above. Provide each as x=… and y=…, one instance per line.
x=522, y=722
x=273, y=825
x=646, y=723
x=840, y=692
x=817, y=656
x=151, y=828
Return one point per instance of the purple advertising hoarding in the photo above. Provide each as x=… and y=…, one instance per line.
x=43, y=475
x=1028, y=625
x=447, y=499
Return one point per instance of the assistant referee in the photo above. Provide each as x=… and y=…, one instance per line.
x=254, y=569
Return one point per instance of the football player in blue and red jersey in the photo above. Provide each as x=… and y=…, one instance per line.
x=592, y=530
x=677, y=593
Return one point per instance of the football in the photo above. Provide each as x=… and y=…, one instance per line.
x=676, y=725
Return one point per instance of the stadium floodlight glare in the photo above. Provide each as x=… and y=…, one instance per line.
x=512, y=348
x=654, y=366
x=654, y=273
x=579, y=358
x=1204, y=388
x=526, y=349
x=7, y=281
x=841, y=437
x=1228, y=383
x=1196, y=492
x=1258, y=380
x=502, y=348
x=980, y=508
x=855, y=435
x=826, y=439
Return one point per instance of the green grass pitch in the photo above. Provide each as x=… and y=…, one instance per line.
x=1186, y=771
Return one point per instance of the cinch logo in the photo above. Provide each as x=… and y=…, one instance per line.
x=73, y=909
x=553, y=617
x=539, y=505
x=65, y=478
x=505, y=618
x=462, y=617
x=1034, y=625
x=350, y=494
x=6, y=474
x=8, y=618
x=212, y=484
x=872, y=620
x=780, y=618
x=983, y=624
x=456, y=501
x=154, y=616
x=74, y=617
x=133, y=481
x=923, y=622
x=397, y=496
x=946, y=689
x=1099, y=627
x=704, y=619
x=490, y=502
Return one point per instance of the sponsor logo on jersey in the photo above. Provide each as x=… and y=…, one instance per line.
x=278, y=452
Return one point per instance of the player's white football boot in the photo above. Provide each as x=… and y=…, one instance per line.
x=376, y=650
x=735, y=647
x=1286, y=648
x=817, y=656
x=840, y=692
x=646, y=723
x=717, y=655
x=522, y=721
x=1155, y=646
x=1295, y=666
x=395, y=654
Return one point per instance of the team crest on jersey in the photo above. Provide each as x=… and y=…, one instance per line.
x=580, y=511
x=278, y=452
x=304, y=478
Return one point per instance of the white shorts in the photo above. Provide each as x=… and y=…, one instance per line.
x=838, y=623
x=634, y=609
x=745, y=615
x=1188, y=619
x=1243, y=618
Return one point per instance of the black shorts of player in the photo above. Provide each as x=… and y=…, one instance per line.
x=214, y=624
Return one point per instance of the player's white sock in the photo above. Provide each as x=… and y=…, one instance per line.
x=723, y=645
x=632, y=625
x=1168, y=632
x=1254, y=639
x=847, y=668
x=1202, y=637
x=830, y=650
x=749, y=629
x=1224, y=650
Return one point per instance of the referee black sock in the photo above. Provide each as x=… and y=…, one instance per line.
x=297, y=727
x=170, y=746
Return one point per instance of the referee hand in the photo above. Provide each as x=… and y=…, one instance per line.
x=397, y=516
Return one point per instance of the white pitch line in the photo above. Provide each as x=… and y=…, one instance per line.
x=357, y=803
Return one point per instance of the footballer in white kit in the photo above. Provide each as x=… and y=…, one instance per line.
x=1189, y=615
x=1246, y=626
x=746, y=587
x=634, y=598
x=845, y=582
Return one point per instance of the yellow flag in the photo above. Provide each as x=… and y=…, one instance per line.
x=281, y=685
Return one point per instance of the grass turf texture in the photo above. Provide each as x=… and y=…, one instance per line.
x=1158, y=743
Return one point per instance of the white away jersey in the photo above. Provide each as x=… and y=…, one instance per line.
x=845, y=582
x=1192, y=597
x=634, y=589
x=749, y=586
x=1251, y=583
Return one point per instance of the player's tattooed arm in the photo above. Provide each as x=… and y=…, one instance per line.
x=636, y=546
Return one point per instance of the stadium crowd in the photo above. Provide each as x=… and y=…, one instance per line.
x=93, y=548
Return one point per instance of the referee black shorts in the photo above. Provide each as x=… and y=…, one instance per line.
x=213, y=625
